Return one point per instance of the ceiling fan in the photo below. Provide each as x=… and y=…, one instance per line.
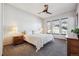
x=45, y=10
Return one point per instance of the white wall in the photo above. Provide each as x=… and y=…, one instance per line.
x=24, y=21
x=0, y=29
x=71, y=24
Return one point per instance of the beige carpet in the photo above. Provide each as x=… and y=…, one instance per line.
x=57, y=48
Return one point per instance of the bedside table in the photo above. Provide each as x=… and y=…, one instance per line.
x=72, y=47
x=18, y=40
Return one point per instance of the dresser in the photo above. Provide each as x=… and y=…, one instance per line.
x=72, y=47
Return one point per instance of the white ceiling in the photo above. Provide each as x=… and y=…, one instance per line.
x=54, y=8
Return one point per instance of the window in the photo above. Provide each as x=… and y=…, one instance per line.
x=76, y=21
x=63, y=26
x=58, y=26
x=55, y=27
x=49, y=27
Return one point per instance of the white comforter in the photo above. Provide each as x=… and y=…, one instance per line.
x=39, y=39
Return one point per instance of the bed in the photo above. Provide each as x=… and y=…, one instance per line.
x=39, y=40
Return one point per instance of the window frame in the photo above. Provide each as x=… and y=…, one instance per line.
x=60, y=29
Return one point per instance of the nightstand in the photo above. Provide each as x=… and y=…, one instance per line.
x=18, y=40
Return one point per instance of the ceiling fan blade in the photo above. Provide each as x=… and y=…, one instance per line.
x=45, y=12
x=48, y=12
